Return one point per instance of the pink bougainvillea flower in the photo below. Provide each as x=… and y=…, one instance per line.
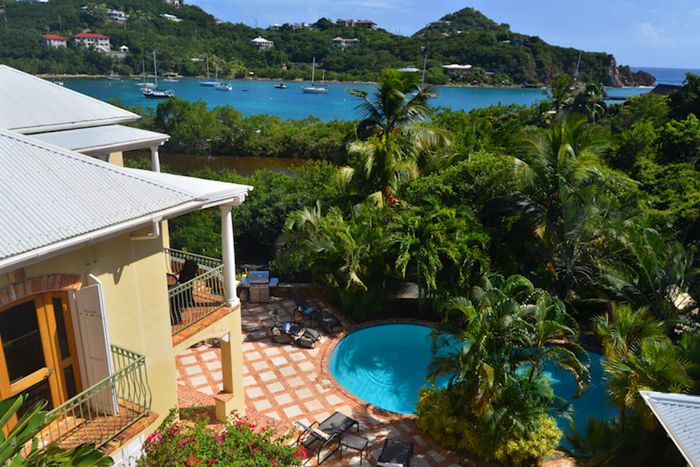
x=255, y=450
x=184, y=441
x=251, y=425
x=239, y=422
x=273, y=463
x=301, y=453
x=219, y=438
x=251, y=443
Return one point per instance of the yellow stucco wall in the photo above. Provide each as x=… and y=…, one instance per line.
x=136, y=301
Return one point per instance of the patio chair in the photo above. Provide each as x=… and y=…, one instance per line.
x=326, y=434
x=311, y=316
x=288, y=328
x=395, y=454
x=185, y=298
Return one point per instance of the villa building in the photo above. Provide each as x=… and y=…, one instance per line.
x=169, y=17
x=175, y=3
x=262, y=43
x=53, y=40
x=92, y=310
x=116, y=15
x=454, y=69
x=365, y=24
x=99, y=42
x=344, y=43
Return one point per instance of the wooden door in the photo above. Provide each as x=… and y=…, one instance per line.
x=37, y=351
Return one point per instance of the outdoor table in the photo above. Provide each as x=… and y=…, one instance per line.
x=356, y=442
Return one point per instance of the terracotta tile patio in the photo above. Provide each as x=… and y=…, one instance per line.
x=285, y=384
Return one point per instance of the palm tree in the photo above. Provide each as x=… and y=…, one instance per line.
x=562, y=93
x=649, y=271
x=395, y=144
x=624, y=328
x=505, y=326
x=564, y=185
x=428, y=240
x=655, y=365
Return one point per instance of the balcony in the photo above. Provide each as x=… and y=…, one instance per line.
x=103, y=411
x=194, y=300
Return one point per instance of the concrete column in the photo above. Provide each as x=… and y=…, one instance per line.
x=228, y=256
x=232, y=396
x=155, y=159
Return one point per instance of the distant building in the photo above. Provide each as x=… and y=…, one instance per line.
x=116, y=15
x=437, y=24
x=99, y=42
x=275, y=27
x=175, y=3
x=262, y=43
x=35, y=1
x=408, y=69
x=344, y=43
x=300, y=26
x=346, y=23
x=124, y=49
x=456, y=70
x=172, y=18
x=53, y=40
x=365, y=24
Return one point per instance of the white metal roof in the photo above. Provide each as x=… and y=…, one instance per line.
x=33, y=105
x=679, y=414
x=54, y=200
x=103, y=139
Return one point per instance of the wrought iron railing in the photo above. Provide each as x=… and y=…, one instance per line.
x=195, y=299
x=101, y=412
x=176, y=259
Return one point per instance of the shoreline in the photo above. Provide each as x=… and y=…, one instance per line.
x=274, y=80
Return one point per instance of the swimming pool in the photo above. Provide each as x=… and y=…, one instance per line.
x=387, y=364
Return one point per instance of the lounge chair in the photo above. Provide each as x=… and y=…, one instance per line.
x=395, y=454
x=303, y=337
x=311, y=316
x=326, y=434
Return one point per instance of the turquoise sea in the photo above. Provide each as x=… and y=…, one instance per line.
x=260, y=97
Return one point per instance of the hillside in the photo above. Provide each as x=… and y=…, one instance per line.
x=498, y=55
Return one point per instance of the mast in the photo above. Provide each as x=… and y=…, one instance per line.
x=425, y=62
x=323, y=78
x=207, y=67
x=578, y=65
x=155, y=69
x=143, y=69
x=313, y=71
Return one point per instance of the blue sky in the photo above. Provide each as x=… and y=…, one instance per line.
x=639, y=32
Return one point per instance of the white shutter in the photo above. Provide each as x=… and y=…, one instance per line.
x=96, y=362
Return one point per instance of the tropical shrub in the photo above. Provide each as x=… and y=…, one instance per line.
x=452, y=429
x=240, y=443
x=19, y=444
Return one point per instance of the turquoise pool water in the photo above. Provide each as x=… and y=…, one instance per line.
x=387, y=364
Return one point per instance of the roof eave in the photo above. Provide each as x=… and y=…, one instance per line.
x=74, y=125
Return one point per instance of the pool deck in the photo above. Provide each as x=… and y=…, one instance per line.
x=285, y=384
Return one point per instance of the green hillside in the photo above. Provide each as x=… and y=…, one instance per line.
x=466, y=37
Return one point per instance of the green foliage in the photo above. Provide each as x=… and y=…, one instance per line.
x=469, y=38
x=679, y=141
x=435, y=415
x=686, y=100
x=240, y=443
x=19, y=444
x=194, y=129
x=260, y=220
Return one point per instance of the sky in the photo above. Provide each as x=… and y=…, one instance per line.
x=648, y=33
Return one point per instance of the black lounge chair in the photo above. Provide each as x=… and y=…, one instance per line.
x=311, y=316
x=395, y=454
x=303, y=337
x=326, y=434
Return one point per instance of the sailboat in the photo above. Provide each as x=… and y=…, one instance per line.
x=281, y=85
x=144, y=84
x=313, y=89
x=153, y=92
x=208, y=83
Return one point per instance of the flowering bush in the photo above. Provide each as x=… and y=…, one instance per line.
x=241, y=443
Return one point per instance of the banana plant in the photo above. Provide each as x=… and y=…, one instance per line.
x=19, y=444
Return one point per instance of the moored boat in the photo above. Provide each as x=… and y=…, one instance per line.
x=314, y=89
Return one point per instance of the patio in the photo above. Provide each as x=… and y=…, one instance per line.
x=285, y=384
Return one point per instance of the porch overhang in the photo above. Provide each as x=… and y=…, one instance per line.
x=103, y=140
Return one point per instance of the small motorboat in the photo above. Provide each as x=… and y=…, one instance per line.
x=156, y=94
x=114, y=77
x=223, y=87
x=281, y=85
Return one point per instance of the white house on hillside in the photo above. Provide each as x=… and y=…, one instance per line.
x=172, y=18
x=344, y=43
x=262, y=43
x=53, y=40
x=99, y=42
